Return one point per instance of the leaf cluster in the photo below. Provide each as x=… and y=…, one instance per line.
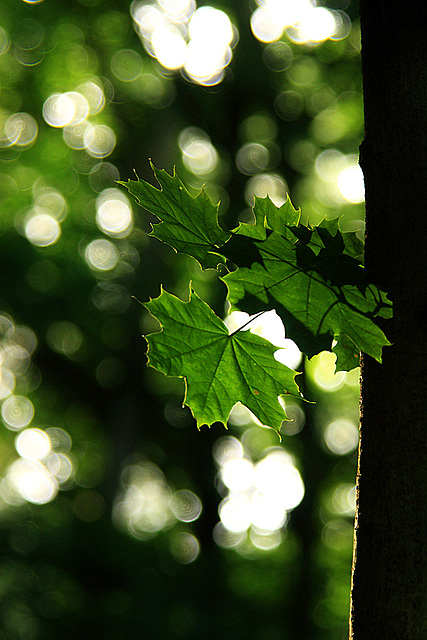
x=312, y=276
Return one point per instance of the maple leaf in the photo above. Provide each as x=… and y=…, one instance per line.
x=312, y=276
x=317, y=286
x=219, y=368
x=268, y=216
x=188, y=224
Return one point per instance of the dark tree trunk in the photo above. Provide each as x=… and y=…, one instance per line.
x=389, y=587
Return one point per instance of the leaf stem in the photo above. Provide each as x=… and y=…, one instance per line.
x=248, y=322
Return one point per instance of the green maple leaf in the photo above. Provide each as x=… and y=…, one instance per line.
x=268, y=216
x=219, y=368
x=313, y=277
x=188, y=224
x=348, y=356
x=349, y=242
x=317, y=286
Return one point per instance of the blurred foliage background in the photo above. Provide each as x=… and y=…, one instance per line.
x=118, y=519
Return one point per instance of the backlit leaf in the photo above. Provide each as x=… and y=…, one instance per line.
x=188, y=224
x=317, y=286
x=219, y=368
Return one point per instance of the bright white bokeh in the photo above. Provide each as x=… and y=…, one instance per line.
x=94, y=95
x=301, y=20
x=344, y=499
x=241, y=415
x=260, y=494
x=289, y=354
x=342, y=25
x=32, y=481
x=269, y=20
x=212, y=24
x=21, y=129
x=186, y=505
x=266, y=541
x=351, y=184
x=178, y=10
x=341, y=178
x=35, y=476
x=200, y=157
x=341, y=436
x=41, y=228
x=74, y=135
x=59, y=110
x=235, y=513
x=17, y=412
x=169, y=47
x=99, y=140
x=181, y=36
x=33, y=444
x=317, y=25
x=143, y=507
x=198, y=153
x=322, y=369
x=147, y=504
x=287, y=12
x=81, y=106
x=329, y=164
x=268, y=514
x=264, y=27
x=277, y=470
x=268, y=325
x=206, y=66
x=267, y=184
x=69, y=111
x=114, y=213
x=101, y=255
x=209, y=52
x=237, y=474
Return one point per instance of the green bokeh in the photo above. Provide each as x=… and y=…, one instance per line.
x=74, y=566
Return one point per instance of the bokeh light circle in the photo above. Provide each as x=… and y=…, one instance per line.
x=33, y=444
x=341, y=436
x=33, y=481
x=351, y=184
x=59, y=110
x=185, y=547
x=186, y=505
x=101, y=255
x=114, y=213
x=99, y=140
x=17, y=412
x=64, y=337
x=42, y=229
x=21, y=129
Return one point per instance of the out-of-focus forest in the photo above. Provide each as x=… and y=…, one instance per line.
x=118, y=519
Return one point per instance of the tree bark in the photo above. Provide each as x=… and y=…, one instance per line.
x=389, y=585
